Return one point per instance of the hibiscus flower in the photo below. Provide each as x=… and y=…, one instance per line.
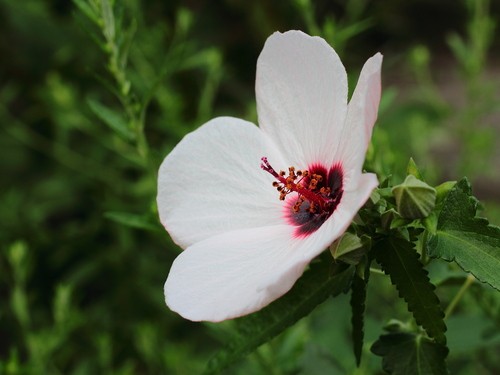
x=252, y=206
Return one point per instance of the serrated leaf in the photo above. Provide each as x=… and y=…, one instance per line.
x=410, y=354
x=466, y=239
x=116, y=122
x=358, y=298
x=399, y=260
x=313, y=288
x=133, y=220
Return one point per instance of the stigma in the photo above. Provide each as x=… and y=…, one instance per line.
x=318, y=192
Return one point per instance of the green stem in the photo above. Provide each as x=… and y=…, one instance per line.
x=467, y=283
x=425, y=258
x=117, y=62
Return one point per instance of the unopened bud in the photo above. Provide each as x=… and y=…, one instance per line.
x=414, y=198
x=350, y=248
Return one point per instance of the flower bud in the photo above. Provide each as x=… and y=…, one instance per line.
x=350, y=248
x=414, y=198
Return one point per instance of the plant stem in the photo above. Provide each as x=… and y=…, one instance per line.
x=425, y=258
x=467, y=283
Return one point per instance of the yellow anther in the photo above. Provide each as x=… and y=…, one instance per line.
x=317, y=177
x=313, y=183
x=325, y=190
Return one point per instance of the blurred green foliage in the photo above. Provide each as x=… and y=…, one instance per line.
x=94, y=93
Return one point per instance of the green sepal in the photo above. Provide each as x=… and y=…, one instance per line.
x=399, y=260
x=374, y=197
x=443, y=189
x=413, y=170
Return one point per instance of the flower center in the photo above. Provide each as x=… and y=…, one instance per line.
x=314, y=193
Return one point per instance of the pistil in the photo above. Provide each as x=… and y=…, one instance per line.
x=309, y=187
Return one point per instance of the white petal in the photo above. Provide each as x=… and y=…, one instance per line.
x=237, y=273
x=240, y=272
x=212, y=182
x=301, y=90
x=361, y=116
x=353, y=198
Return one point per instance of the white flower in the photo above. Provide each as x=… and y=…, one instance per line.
x=245, y=243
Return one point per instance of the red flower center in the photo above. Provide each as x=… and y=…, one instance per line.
x=314, y=194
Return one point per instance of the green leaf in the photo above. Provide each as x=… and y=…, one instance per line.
x=87, y=10
x=358, y=298
x=466, y=239
x=313, y=288
x=116, y=122
x=399, y=260
x=410, y=354
x=109, y=28
x=133, y=220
